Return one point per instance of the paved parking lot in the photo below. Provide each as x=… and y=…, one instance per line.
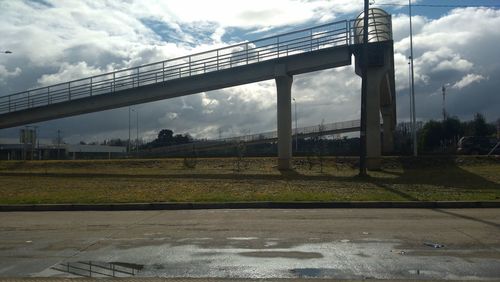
x=322, y=243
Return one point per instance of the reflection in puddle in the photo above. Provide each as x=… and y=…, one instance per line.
x=99, y=269
x=313, y=272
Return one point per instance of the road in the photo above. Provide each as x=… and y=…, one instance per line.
x=322, y=243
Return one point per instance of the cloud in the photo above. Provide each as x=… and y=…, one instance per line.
x=456, y=48
x=68, y=72
x=6, y=74
x=72, y=39
x=467, y=80
x=244, y=14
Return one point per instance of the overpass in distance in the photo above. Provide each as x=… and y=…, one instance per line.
x=258, y=138
x=278, y=57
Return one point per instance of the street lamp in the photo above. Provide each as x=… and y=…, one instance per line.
x=296, y=132
x=413, y=117
x=137, y=129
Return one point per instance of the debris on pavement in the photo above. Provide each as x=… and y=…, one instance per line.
x=399, y=252
x=434, y=245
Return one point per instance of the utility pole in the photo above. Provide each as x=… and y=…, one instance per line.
x=414, y=122
x=444, y=102
x=364, y=90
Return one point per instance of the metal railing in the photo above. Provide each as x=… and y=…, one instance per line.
x=306, y=40
x=309, y=130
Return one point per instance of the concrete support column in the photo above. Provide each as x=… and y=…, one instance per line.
x=380, y=99
x=284, y=88
x=388, y=136
x=373, y=141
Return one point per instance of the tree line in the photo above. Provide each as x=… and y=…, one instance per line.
x=165, y=137
x=442, y=136
x=433, y=137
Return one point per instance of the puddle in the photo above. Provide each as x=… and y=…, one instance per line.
x=336, y=259
x=277, y=254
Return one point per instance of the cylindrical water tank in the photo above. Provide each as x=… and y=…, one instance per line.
x=379, y=26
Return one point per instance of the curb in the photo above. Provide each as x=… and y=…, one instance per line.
x=251, y=205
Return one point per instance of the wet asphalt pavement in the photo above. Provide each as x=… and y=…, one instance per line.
x=326, y=243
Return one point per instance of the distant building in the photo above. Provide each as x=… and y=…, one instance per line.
x=94, y=151
x=63, y=151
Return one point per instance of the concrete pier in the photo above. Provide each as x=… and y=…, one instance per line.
x=284, y=105
x=380, y=101
x=388, y=129
x=373, y=138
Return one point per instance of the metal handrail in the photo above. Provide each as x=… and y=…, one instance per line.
x=305, y=40
x=317, y=130
x=321, y=128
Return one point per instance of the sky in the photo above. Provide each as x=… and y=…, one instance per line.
x=58, y=41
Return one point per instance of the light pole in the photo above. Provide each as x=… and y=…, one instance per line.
x=128, y=144
x=296, y=132
x=414, y=125
x=136, y=130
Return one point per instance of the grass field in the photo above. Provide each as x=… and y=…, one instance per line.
x=218, y=179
